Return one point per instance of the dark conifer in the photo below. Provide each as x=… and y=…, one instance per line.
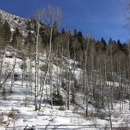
x=6, y=32
x=15, y=34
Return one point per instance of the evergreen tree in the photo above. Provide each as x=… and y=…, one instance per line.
x=1, y=24
x=44, y=33
x=30, y=38
x=63, y=31
x=29, y=25
x=58, y=99
x=80, y=37
x=120, y=46
x=75, y=33
x=55, y=33
x=104, y=44
x=6, y=32
x=16, y=34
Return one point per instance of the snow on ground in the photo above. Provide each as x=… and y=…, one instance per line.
x=17, y=111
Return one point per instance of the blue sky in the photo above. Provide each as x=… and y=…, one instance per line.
x=98, y=18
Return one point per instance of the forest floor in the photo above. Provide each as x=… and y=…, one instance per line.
x=17, y=111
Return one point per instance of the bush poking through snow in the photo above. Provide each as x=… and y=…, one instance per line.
x=7, y=118
x=23, y=66
x=16, y=77
x=62, y=108
x=12, y=115
x=44, y=68
x=58, y=99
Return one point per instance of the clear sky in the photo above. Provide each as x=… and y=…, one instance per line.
x=98, y=18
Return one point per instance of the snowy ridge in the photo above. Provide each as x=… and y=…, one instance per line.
x=14, y=21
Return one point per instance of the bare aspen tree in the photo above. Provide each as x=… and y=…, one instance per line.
x=50, y=17
x=92, y=72
x=129, y=73
x=12, y=78
x=1, y=58
x=127, y=25
x=101, y=66
x=18, y=44
x=23, y=71
x=111, y=49
x=36, y=68
x=86, y=84
x=68, y=75
x=38, y=16
x=75, y=85
x=104, y=78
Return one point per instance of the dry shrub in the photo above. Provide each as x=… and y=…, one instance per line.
x=7, y=118
x=44, y=68
x=12, y=115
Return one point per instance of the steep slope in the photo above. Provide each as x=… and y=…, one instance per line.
x=17, y=108
x=57, y=78
x=14, y=21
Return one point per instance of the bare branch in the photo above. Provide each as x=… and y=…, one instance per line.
x=37, y=14
x=53, y=15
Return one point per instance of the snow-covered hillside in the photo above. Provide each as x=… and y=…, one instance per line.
x=14, y=21
x=17, y=111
